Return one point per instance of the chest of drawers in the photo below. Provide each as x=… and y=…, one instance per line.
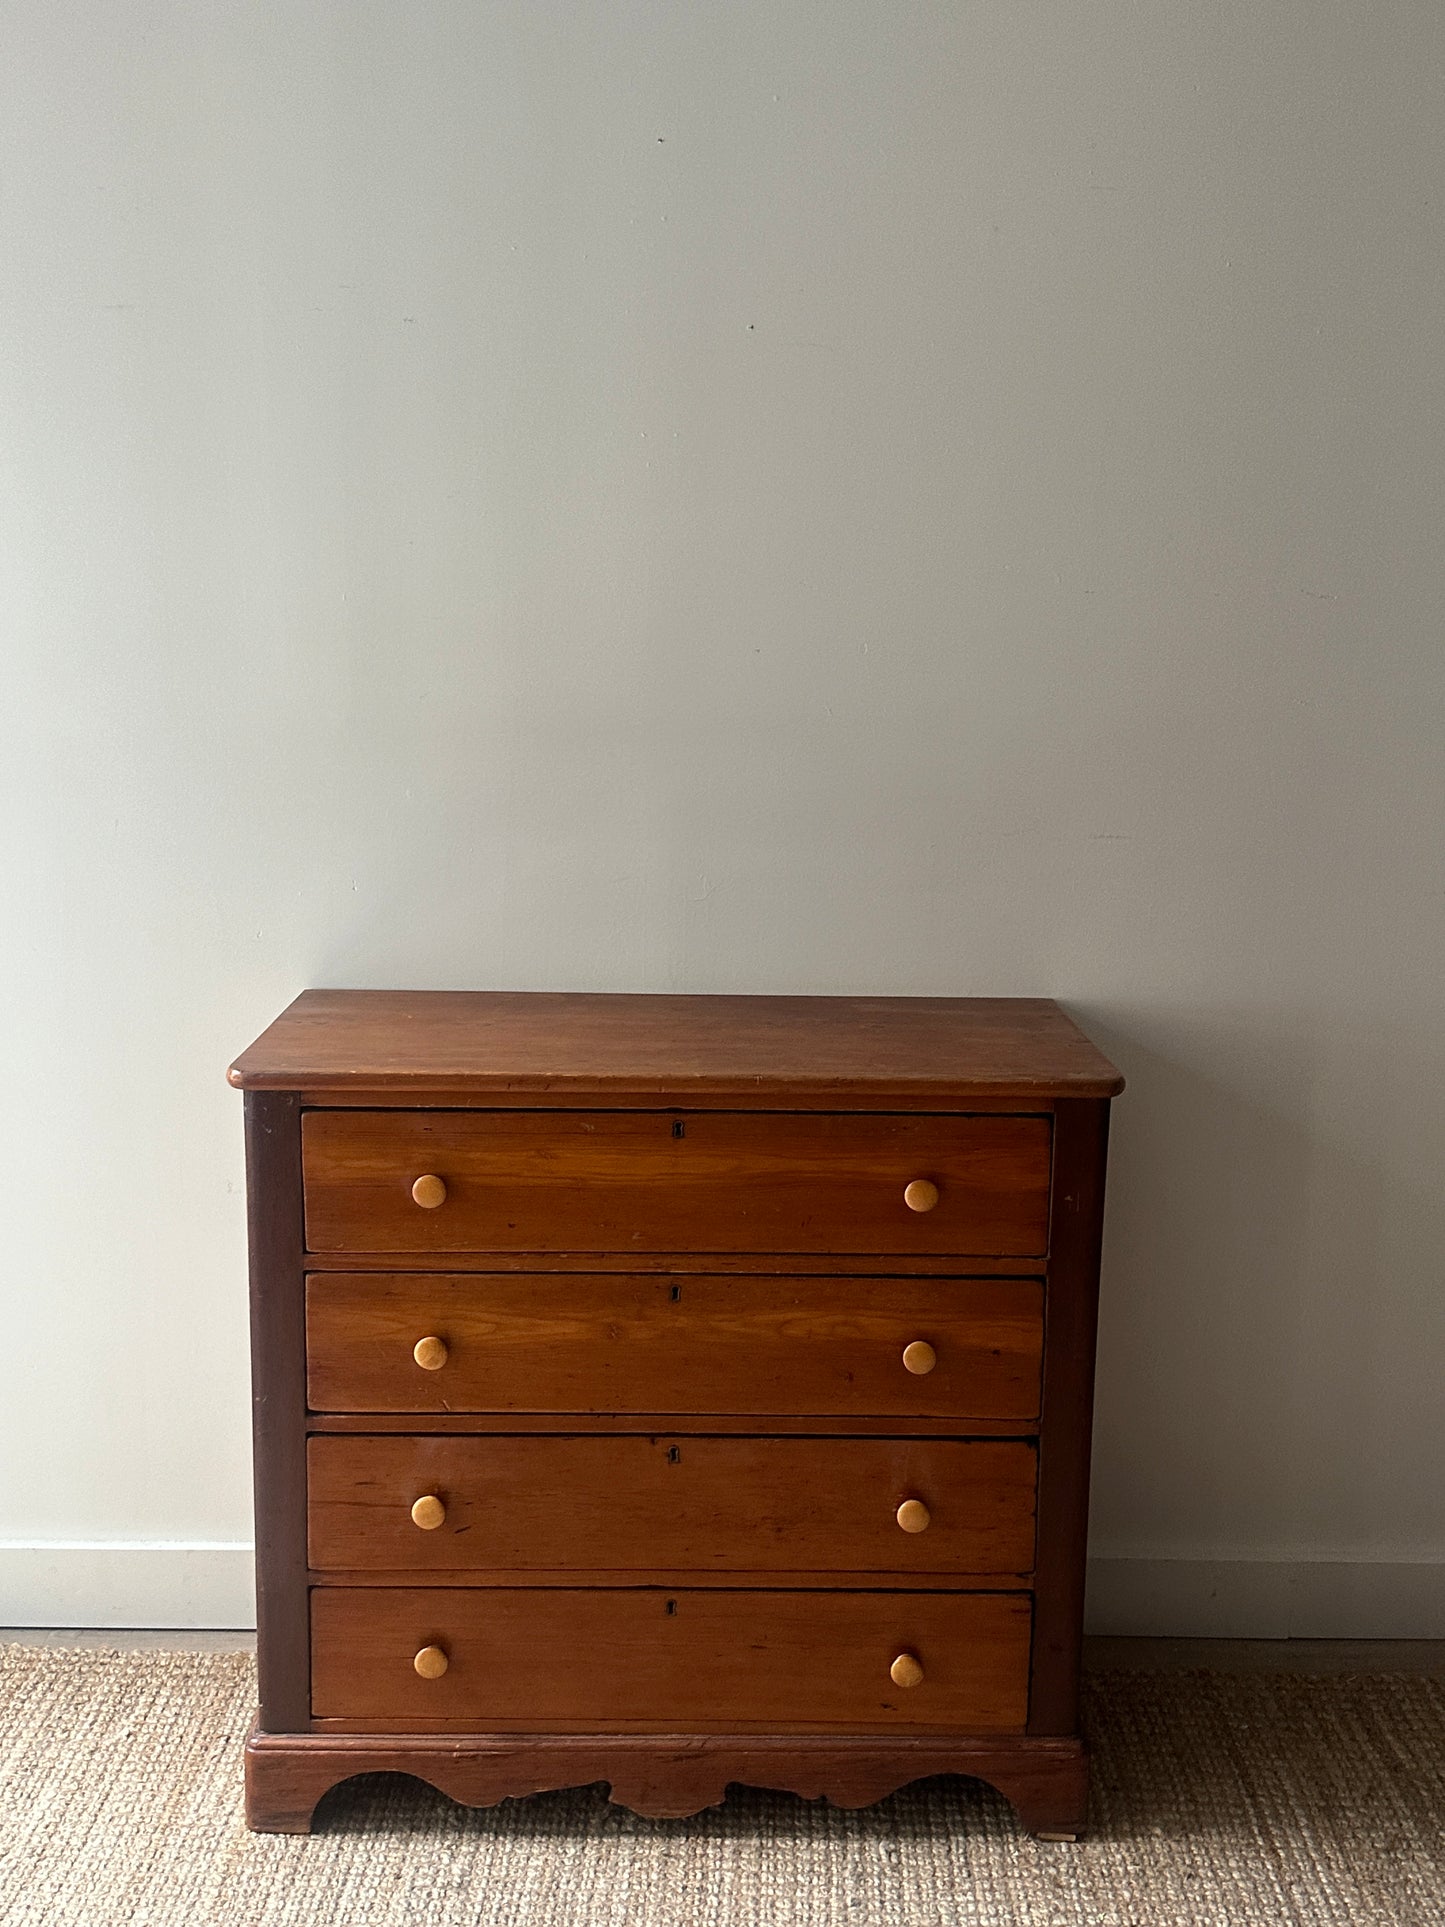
x=671, y=1391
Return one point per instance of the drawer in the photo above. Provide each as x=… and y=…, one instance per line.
x=618, y=1181
x=620, y=1343
x=540, y=1658
x=633, y=1505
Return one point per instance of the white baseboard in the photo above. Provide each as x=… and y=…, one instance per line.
x=121, y=1583
x=1267, y=1598
x=117, y=1582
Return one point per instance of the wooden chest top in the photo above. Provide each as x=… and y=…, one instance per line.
x=479, y=1045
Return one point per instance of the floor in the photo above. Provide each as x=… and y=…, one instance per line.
x=1235, y=1784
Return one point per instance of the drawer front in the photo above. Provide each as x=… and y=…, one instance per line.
x=621, y=1343
x=578, y=1660
x=530, y=1181
x=633, y=1505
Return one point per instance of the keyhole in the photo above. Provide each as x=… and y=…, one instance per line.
x=671, y=1606
x=679, y=1129
x=676, y=1294
x=674, y=1455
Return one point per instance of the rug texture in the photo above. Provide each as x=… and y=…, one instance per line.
x=1219, y=1801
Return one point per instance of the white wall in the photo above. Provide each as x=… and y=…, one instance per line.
x=831, y=497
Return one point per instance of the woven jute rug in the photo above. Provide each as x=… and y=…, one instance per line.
x=1228, y=1799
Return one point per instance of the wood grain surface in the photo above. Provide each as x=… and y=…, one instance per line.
x=622, y=1658
x=650, y=1181
x=567, y=1045
x=800, y=1424
x=668, y=1776
x=672, y=1504
x=622, y=1344
x=278, y=1406
x=860, y=1264
x=1068, y=1414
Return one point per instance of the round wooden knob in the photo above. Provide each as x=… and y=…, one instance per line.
x=429, y=1191
x=431, y=1353
x=431, y=1662
x=906, y=1670
x=913, y=1515
x=919, y=1357
x=921, y=1195
x=429, y=1512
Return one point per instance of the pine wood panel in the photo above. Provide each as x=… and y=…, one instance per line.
x=622, y=1344
x=923, y=1264
x=667, y=1777
x=419, y=1097
x=746, y=1577
x=598, y=1659
x=821, y=1425
x=650, y=1181
x=278, y=1406
x=671, y=1503
x=1066, y=1424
